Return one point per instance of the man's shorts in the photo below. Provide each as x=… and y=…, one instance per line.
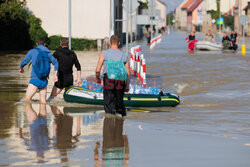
x=39, y=83
x=64, y=81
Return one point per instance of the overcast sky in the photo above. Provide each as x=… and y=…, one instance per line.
x=172, y=4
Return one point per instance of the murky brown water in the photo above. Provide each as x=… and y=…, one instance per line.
x=210, y=128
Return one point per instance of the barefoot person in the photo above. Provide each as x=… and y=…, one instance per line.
x=66, y=59
x=41, y=59
x=116, y=71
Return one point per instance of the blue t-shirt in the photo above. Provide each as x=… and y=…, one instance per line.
x=114, y=54
x=32, y=56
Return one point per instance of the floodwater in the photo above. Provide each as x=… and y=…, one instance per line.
x=210, y=128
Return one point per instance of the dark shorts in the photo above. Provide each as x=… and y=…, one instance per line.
x=64, y=81
x=41, y=84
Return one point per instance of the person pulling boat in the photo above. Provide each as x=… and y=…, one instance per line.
x=116, y=72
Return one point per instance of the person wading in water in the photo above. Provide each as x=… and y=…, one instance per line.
x=116, y=72
x=40, y=58
x=66, y=59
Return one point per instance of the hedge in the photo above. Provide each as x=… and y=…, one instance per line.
x=76, y=43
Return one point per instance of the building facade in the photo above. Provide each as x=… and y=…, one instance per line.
x=181, y=17
x=162, y=7
x=90, y=19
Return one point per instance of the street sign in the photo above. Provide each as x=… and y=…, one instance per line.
x=135, y=4
x=142, y=20
x=244, y=19
x=220, y=21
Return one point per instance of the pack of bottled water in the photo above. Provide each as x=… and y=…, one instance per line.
x=137, y=89
x=91, y=86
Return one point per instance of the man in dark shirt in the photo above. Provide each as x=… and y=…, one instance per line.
x=226, y=41
x=234, y=39
x=66, y=59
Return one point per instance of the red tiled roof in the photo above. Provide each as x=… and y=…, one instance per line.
x=187, y=4
x=194, y=6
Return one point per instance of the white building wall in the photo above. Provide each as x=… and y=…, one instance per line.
x=129, y=23
x=90, y=18
x=181, y=16
x=226, y=5
x=163, y=9
x=210, y=5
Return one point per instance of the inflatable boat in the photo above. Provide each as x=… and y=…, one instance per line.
x=85, y=96
x=209, y=46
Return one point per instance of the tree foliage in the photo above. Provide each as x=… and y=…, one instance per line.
x=19, y=30
x=216, y=14
x=143, y=4
x=170, y=18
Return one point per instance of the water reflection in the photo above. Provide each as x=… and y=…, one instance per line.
x=61, y=139
x=62, y=132
x=115, y=146
x=39, y=140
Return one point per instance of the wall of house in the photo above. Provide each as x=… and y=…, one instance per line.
x=197, y=15
x=210, y=5
x=163, y=9
x=129, y=23
x=89, y=20
x=181, y=17
x=248, y=13
x=226, y=5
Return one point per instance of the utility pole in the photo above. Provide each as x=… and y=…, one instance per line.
x=127, y=19
x=136, y=12
x=131, y=19
x=151, y=16
x=220, y=19
x=239, y=8
x=238, y=13
x=112, y=18
x=69, y=24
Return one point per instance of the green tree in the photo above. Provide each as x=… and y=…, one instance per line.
x=170, y=18
x=35, y=29
x=19, y=30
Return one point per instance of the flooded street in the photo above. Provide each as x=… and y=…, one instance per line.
x=209, y=128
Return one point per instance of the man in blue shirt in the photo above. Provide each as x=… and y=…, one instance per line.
x=36, y=82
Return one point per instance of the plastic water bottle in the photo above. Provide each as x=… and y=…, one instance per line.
x=84, y=84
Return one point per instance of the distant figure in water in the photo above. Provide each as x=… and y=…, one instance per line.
x=209, y=37
x=226, y=41
x=191, y=41
x=148, y=35
x=234, y=40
